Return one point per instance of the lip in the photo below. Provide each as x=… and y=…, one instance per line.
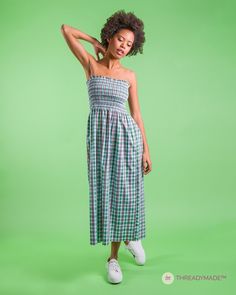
x=120, y=51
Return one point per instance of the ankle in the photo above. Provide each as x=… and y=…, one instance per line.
x=111, y=257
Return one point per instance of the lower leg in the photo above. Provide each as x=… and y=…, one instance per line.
x=114, y=250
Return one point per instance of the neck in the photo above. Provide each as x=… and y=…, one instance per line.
x=110, y=62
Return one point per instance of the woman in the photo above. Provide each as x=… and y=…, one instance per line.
x=117, y=150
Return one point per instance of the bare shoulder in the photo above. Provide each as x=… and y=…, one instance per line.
x=131, y=76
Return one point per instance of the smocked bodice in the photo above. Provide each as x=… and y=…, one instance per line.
x=108, y=93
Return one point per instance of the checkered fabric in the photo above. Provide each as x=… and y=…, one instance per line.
x=115, y=171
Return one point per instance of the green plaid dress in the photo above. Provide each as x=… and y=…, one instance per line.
x=114, y=156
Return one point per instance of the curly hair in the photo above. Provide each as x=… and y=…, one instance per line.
x=122, y=20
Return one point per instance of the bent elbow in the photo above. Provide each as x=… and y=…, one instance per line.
x=64, y=28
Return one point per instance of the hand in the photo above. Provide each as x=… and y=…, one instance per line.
x=147, y=164
x=98, y=48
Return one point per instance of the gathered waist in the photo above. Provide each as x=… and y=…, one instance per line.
x=109, y=104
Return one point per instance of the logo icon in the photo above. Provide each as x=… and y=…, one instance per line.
x=167, y=278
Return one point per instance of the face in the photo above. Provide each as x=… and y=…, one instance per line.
x=121, y=43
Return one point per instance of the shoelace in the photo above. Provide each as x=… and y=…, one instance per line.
x=115, y=266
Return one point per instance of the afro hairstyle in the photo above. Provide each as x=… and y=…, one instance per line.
x=122, y=20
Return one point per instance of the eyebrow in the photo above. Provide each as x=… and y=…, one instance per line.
x=124, y=38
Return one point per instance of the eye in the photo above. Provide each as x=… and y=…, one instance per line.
x=121, y=39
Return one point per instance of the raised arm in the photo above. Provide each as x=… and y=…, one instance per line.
x=72, y=36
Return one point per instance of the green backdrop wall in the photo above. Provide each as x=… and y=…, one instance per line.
x=186, y=89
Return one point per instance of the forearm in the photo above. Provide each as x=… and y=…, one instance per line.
x=78, y=34
x=141, y=127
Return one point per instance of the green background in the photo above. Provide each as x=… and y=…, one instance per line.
x=186, y=89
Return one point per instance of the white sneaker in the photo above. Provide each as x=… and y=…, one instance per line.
x=136, y=249
x=114, y=273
